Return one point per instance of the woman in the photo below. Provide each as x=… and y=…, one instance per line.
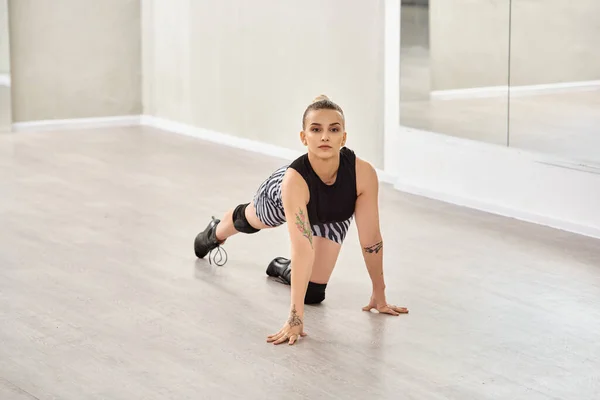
x=319, y=194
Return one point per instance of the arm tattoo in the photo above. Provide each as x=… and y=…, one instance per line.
x=374, y=248
x=304, y=226
x=294, y=319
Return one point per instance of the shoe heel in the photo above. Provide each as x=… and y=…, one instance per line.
x=277, y=266
x=203, y=243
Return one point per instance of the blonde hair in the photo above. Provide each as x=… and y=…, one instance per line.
x=320, y=97
x=321, y=102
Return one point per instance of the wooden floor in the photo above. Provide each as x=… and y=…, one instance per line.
x=101, y=296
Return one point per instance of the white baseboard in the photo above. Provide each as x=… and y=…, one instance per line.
x=254, y=146
x=515, y=91
x=76, y=123
x=220, y=138
x=5, y=80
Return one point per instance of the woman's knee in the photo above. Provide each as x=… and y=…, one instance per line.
x=240, y=221
x=315, y=293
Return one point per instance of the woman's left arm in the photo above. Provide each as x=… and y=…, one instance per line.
x=369, y=234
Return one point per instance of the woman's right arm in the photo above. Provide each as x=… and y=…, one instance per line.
x=295, y=197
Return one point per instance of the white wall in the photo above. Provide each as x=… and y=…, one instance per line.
x=75, y=58
x=249, y=69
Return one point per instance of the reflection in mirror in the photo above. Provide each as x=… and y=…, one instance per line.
x=454, y=68
x=5, y=103
x=555, y=78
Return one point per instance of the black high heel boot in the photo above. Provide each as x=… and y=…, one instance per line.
x=280, y=267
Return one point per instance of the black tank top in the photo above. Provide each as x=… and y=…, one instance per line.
x=330, y=203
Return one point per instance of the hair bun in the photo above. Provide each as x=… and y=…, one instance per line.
x=320, y=98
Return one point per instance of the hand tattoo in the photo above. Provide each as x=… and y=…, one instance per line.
x=374, y=248
x=303, y=226
x=294, y=319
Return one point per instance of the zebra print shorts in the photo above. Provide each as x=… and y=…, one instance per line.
x=269, y=209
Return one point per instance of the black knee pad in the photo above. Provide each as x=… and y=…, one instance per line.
x=315, y=293
x=240, y=223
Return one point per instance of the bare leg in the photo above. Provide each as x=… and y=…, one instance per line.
x=326, y=255
x=225, y=229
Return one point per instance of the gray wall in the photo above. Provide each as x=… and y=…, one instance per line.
x=553, y=41
x=250, y=68
x=75, y=58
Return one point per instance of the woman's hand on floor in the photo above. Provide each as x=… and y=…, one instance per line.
x=379, y=303
x=292, y=330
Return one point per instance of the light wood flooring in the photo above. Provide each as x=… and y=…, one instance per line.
x=101, y=296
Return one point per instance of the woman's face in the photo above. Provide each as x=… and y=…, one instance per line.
x=324, y=133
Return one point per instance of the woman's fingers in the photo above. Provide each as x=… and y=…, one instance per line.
x=285, y=334
x=274, y=337
x=389, y=310
x=401, y=310
x=282, y=339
